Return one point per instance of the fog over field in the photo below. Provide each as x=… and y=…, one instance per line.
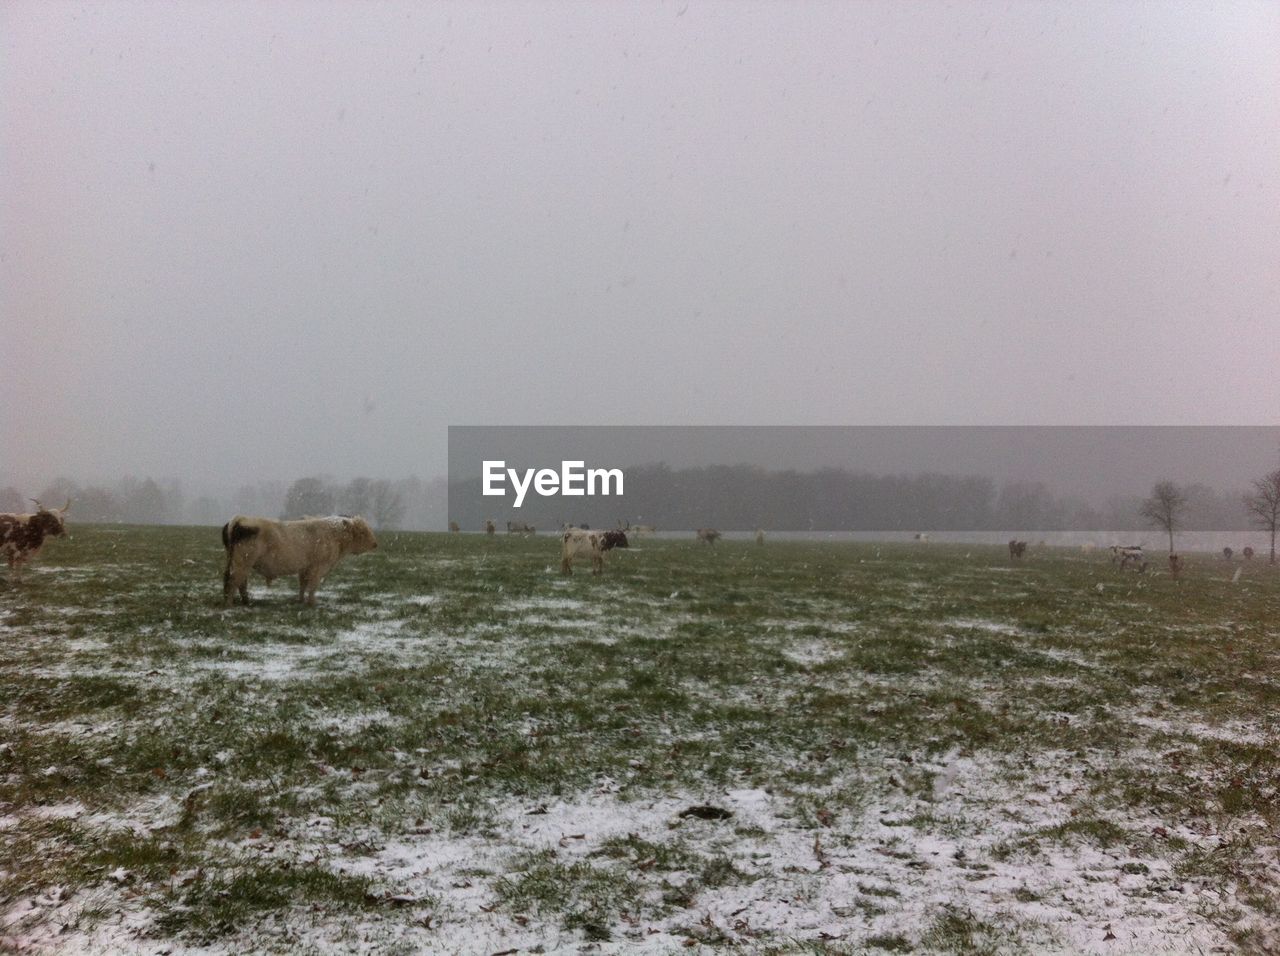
x=245, y=243
x=937, y=341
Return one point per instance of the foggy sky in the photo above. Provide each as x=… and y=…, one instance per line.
x=244, y=240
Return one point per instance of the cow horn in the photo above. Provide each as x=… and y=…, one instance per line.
x=37, y=503
x=67, y=507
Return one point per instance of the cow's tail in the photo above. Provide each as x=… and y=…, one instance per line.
x=233, y=532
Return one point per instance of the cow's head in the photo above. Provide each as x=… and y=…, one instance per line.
x=613, y=539
x=360, y=535
x=52, y=521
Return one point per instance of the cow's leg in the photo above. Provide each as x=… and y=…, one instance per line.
x=565, y=567
x=308, y=581
x=597, y=564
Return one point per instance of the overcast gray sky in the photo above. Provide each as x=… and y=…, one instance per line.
x=260, y=240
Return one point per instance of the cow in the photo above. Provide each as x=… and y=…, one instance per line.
x=760, y=537
x=22, y=535
x=489, y=526
x=921, y=537
x=708, y=535
x=519, y=527
x=1017, y=549
x=614, y=539
x=1129, y=554
x=584, y=543
x=1248, y=554
x=1175, y=564
x=454, y=527
x=308, y=547
x=639, y=530
x=1227, y=554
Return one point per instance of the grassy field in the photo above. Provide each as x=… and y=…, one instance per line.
x=812, y=747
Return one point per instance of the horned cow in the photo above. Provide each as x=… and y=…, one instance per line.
x=708, y=535
x=1017, y=549
x=22, y=535
x=308, y=547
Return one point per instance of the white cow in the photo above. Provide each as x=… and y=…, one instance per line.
x=308, y=547
x=580, y=543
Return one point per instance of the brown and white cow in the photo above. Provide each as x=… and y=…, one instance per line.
x=309, y=548
x=592, y=545
x=708, y=535
x=454, y=527
x=22, y=535
x=519, y=527
x=1129, y=555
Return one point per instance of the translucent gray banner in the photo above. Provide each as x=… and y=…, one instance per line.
x=811, y=478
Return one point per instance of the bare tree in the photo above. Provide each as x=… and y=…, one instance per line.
x=388, y=506
x=1264, y=506
x=308, y=496
x=1165, y=508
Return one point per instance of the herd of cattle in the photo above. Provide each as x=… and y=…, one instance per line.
x=311, y=547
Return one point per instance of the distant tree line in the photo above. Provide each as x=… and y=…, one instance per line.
x=408, y=503
x=728, y=497
x=743, y=497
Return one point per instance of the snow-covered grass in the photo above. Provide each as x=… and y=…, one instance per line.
x=808, y=746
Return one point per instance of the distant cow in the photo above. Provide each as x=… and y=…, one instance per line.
x=1129, y=555
x=759, y=536
x=1175, y=564
x=22, y=535
x=489, y=527
x=309, y=548
x=1227, y=554
x=918, y=536
x=1017, y=549
x=583, y=543
x=454, y=528
x=708, y=535
x=1248, y=554
x=636, y=530
x=519, y=527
